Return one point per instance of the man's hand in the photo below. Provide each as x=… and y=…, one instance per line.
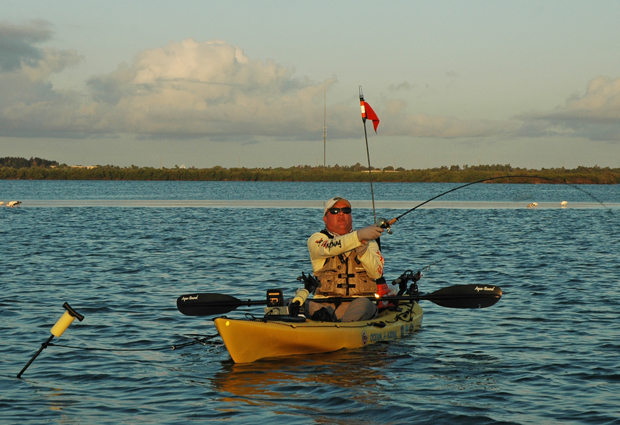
x=369, y=233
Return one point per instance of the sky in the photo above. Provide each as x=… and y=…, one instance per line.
x=533, y=84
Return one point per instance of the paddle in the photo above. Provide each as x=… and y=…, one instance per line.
x=456, y=296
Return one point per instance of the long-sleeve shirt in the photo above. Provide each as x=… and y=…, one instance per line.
x=321, y=247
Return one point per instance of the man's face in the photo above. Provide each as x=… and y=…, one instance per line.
x=340, y=223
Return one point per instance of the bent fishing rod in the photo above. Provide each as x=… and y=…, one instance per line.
x=387, y=224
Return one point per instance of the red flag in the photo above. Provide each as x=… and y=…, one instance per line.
x=368, y=113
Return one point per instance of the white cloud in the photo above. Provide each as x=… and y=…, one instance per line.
x=594, y=116
x=194, y=89
x=601, y=101
x=185, y=89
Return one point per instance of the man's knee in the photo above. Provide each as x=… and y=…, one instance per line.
x=359, y=309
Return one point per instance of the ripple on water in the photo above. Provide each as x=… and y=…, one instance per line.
x=546, y=353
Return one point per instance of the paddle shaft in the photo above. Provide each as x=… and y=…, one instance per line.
x=456, y=296
x=423, y=297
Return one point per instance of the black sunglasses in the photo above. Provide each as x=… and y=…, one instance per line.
x=345, y=210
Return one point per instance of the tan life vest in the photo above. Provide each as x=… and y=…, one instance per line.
x=343, y=276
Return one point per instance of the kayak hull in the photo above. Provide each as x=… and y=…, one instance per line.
x=251, y=340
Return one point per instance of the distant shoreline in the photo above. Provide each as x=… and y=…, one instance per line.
x=356, y=173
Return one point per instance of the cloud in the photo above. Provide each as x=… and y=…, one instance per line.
x=422, y=125
x=18, y=52
x=191, y=89
x=392, y=88
x=183, y=90
x=28, y=103
x=16, y=44
x=205, y=89
x=594, y=116
x=397, y=121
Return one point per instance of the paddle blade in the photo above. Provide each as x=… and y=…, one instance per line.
x=207, y=304
x=465, y=296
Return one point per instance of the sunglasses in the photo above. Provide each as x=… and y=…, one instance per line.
x=345, y=210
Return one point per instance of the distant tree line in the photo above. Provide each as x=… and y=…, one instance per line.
x=15, y=162
x=39, y=169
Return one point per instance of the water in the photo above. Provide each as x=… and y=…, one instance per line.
x=548, y=352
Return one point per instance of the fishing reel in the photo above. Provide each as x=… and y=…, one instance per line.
x=384, y=223
x=404, y=278
x=310, y=282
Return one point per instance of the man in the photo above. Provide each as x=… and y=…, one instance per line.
x=346, y=263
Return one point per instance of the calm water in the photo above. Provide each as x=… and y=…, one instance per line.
x=548, y=352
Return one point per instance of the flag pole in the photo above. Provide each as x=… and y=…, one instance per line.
x=372, y=193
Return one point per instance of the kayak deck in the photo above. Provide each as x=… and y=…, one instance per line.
x=251, y=340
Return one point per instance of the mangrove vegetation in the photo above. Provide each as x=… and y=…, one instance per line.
x=40, y=169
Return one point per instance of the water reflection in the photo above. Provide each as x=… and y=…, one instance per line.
x=274, y=381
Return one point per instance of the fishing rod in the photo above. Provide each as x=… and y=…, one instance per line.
x=387, y=224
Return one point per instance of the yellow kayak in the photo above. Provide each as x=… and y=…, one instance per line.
x=287, y=334
x=251, y=340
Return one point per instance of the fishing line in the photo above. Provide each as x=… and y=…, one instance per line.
x=428, y=267
x=394, y=220
x=384, y=223
x=196, y=339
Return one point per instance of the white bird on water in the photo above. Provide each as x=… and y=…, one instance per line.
x=12, y=204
